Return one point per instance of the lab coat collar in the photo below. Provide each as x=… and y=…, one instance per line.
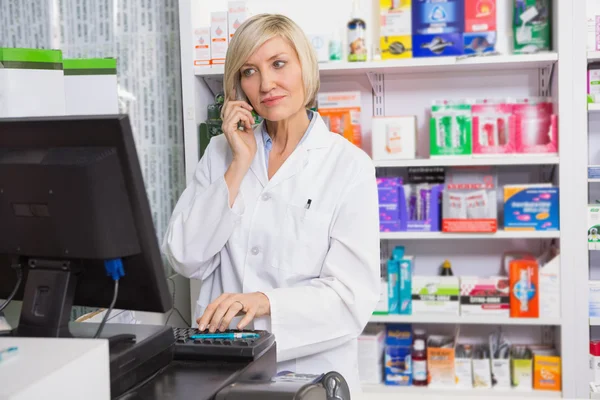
x=319, y=137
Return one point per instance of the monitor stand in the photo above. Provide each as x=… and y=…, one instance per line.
x=47, y=299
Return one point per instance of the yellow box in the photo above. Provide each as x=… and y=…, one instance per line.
x=546, y=372
x=395, y=47
x=393, y=5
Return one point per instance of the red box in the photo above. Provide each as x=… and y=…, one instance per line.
x=480, y=15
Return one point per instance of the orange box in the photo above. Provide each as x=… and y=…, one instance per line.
x=341, y=110
x=546, y=372
x=440, y=367
x=524, y=289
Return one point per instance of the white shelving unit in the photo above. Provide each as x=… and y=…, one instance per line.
x=410, y=85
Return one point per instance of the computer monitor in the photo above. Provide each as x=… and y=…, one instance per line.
x=71, y=197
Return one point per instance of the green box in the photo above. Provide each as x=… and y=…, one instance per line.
x=532, y=26
x=450, y=130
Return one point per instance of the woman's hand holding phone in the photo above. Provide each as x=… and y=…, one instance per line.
x=242, y=143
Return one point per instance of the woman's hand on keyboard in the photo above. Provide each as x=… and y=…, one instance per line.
x=219, y=313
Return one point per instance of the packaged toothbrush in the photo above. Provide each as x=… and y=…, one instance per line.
x=450, y=129
x=491, y=128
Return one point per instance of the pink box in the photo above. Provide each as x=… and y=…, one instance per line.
x=491, y=128
x=535, y=126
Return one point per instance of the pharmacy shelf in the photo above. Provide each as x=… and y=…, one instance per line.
x=383, y=392
x=422, y=65
x=593, y=180
x=444, y=235
x=467, y=161
x=462, y=320
x=594, y=321
x=593, y=107
x=593, y=56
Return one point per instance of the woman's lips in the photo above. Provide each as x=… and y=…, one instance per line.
x=272, y=101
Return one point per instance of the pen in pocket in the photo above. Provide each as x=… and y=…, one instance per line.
x=307, y=206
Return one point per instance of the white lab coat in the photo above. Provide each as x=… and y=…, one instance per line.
x=319, y=267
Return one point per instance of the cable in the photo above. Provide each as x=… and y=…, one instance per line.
x=112, y=304
x=17, y=268
x=114, y=269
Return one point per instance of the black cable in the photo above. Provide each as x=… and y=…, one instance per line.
x=17, y=268
x=112, y=304
x=175, y=308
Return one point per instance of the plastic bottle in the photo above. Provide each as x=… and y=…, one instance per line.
x=446, y=269
x=419, y=359
x=335, y=47
x=357, y=43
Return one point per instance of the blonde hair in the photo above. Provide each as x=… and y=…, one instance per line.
x=252, y=34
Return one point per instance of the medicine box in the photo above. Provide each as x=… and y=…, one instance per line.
x=395, y=29
x=531, y=208
x=398, y=364
x=438, y=45
x=441, y=365
x=382, y=307
x=437, y=16
x=546, y=370
x=219, y=37
x=479, y=42
x=435, y=295
x=341, y=112
x=485, y=296
x=450, y=129
x=371, y=347
x=594, y=299
x=394, y=138
x=91, y=86
x=201, y=46
x=531, y=25
x=236, y=15
x=480, y=15
x=393, y=271
x=32, y=83
x=405, y=282
x=389, y=213
x=593, y=226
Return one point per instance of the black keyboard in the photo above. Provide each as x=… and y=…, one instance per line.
x=222, y=349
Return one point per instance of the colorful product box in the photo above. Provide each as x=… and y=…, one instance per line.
x=393, y=271
x=395, y=29
x=531, y=208
x=524, y=289
x=480, y=15
x=469, y=201
x=479, y=42
x=398, y=364
x=219, y=38
x=536, y=128
x=237, y=14
x=485, y=296
x=341, y=112
x=435, y=295
x=405, y=281
x=201, y=46
x=395, y=47
x=491, y=128
x=438, y=45
x=546, y=371
x=593, y=223
x=450, y=129
x=389, y=214
x=441, y=366
x=437, y=16
x=532, y=29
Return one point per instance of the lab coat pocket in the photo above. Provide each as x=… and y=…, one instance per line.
x=304, y=241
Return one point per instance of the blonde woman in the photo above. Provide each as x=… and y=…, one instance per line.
x=281, y=223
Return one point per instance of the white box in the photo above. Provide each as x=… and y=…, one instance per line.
x=43, y=368
x=463, y=369
x=371, y=348
x=91, y=86
x=219, y=38
x=435, y=295
x=32, y=83
x=501, y=373
x=394, y=138
x=201, y=46
x=549, y=282
x=382, y=306
x=321, y=45
x=237, y=14
x=482, y=374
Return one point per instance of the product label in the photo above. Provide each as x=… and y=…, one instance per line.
x=357, y=50
x=419, y=370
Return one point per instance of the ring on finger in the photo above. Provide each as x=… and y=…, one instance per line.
x=241, y=304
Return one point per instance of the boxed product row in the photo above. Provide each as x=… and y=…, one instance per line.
x=466, y=201
x=401, y=356
x=477, y=127
x=530, y=288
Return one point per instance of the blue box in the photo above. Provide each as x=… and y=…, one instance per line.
x=531, y=208
x=446, y=44
x=393, y=272
x=405, y=291
x=438, y=16
x=398, y=348
x=479, y=42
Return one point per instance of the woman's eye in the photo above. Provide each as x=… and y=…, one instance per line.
x=278, y=64
x=247, y=72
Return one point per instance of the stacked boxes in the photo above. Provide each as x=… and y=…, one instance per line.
x=437, y=28
x=480, y=26
x=395, y=34
x=398, y=363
